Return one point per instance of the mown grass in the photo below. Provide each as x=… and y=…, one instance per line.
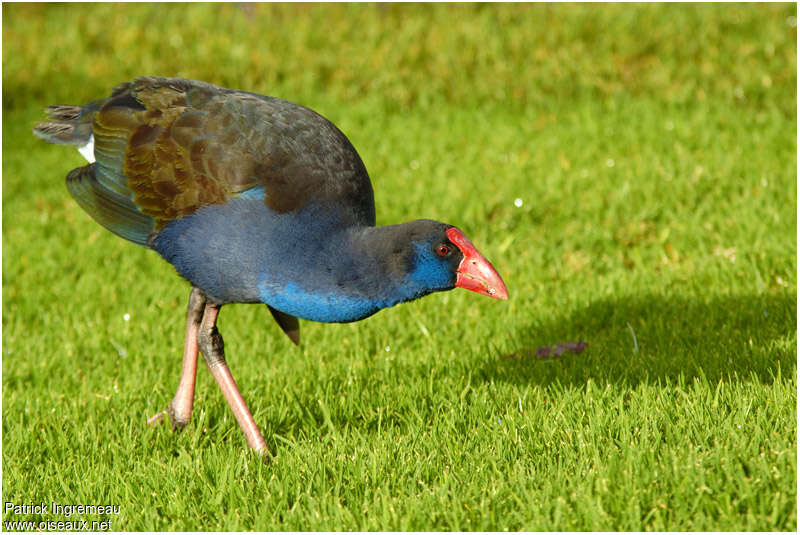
x=651, y=150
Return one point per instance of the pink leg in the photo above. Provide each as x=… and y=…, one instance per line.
x=213, y=349
x=180, y=409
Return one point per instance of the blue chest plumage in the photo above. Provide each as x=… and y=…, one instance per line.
x=325, y=306
x=301, y=263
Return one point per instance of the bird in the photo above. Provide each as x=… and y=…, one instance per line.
x=252, y=199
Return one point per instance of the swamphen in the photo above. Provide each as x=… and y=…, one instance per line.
x=252, y=199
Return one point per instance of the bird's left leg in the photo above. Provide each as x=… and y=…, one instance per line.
x=180, y=408
x=213, y=348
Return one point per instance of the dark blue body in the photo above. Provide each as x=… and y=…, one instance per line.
x=306, y=263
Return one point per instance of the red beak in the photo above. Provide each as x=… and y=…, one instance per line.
x=475, y=273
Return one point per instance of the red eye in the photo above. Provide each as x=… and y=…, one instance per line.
x=442, y=250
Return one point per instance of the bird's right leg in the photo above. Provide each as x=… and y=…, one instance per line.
x=213, y=349
x=180, y=408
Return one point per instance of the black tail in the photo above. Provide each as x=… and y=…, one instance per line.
x=68, y=125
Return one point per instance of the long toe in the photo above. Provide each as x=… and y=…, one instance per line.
x=155, y=419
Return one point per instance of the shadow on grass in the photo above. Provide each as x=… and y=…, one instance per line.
x=730, y=338
x=659, y=339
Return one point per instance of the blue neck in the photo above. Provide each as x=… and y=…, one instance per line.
x=349, y=283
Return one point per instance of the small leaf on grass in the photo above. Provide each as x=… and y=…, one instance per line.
x=553, y=351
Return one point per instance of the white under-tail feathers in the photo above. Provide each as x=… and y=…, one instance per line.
x=87, y=151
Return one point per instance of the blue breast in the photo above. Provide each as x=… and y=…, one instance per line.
x=299, y=263
x=326, y=306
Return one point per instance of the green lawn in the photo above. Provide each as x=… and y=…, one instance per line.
x=629, y=170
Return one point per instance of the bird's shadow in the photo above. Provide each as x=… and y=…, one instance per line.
x=658, y=339
x=648, y=339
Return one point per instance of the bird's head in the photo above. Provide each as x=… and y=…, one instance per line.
x=443, y=258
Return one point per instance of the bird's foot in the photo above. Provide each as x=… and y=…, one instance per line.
x=177, y=420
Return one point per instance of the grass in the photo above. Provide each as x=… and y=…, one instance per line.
x=651, y=150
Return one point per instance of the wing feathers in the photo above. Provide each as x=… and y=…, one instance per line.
x=113, y=210
x=171, y=146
